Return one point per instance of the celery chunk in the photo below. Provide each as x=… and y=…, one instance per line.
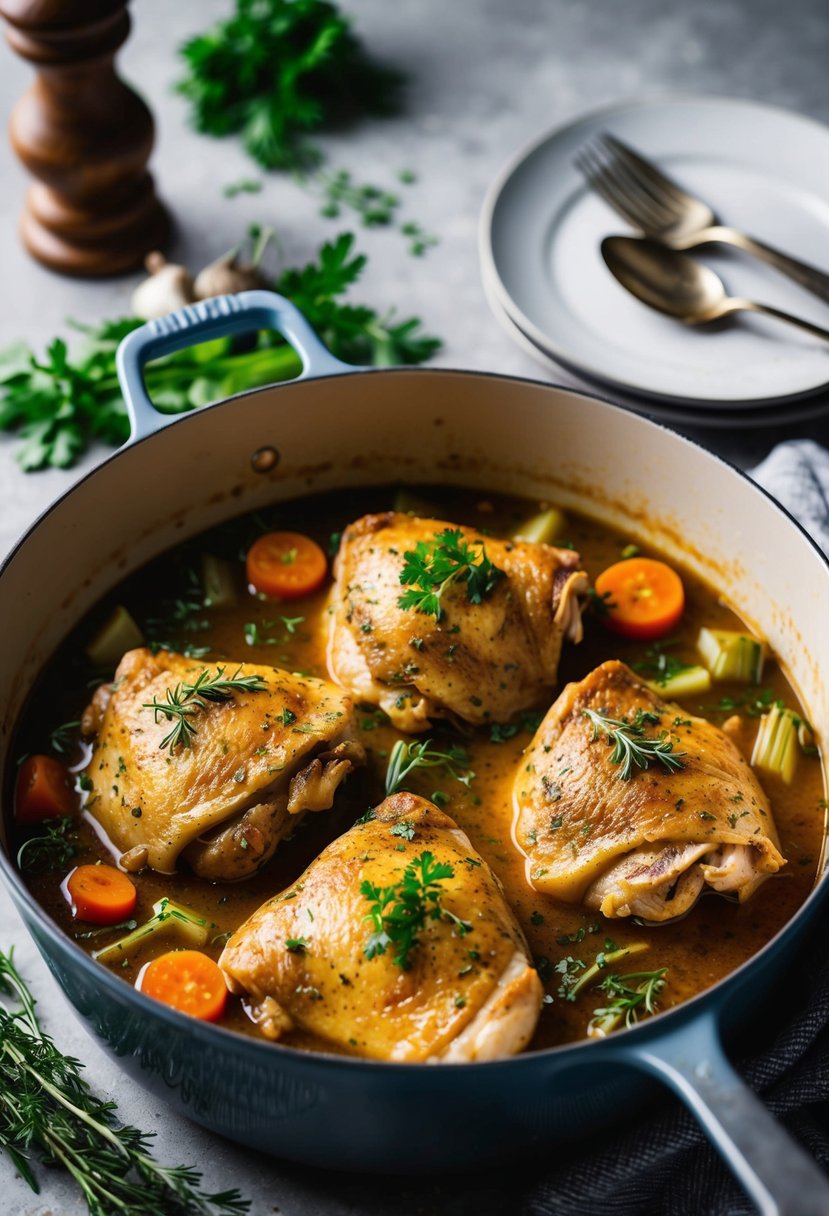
x=542, y=528
x=118, y=634
x=218, y=583
x=730, y=655
x=169, y=918
x=776, y=747
x=409, y=502
x=688, y=682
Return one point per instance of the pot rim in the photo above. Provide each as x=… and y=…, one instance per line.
x=262, y=1051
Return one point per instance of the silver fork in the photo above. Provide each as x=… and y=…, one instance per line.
x=662, y=210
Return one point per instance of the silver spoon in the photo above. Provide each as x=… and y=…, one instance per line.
x=676, y=284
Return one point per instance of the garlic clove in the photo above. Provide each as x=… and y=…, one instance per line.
x=226, y=276
x=168, y=287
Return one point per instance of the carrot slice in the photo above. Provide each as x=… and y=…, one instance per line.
x=101, y=895
x=189, y=981
x=286, y=565
x=644, y=598
x=44, y=790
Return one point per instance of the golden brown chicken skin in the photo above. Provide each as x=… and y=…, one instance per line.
x=464, y=991
x=481, y=662
x=646, y=846
x=257, y=762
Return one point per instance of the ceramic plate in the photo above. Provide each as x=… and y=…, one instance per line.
x=722, y=418
x=762, y=169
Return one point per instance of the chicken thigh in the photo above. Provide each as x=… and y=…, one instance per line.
x=395, y=944
x=481, y=659
x=644, y=845
x=259, y=758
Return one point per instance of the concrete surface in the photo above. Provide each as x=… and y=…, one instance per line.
x=485, y=76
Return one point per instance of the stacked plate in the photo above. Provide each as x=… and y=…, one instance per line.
x=762, y=169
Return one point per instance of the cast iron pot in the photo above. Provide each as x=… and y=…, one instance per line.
x=338, y=427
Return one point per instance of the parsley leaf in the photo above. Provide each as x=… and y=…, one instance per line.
x=60, y=405
x=399, y=912
x=433, y=566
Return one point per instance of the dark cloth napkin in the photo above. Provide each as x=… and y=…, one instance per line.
x=663, y=1165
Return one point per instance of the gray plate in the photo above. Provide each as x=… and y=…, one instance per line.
x=761, y=168
x=721, y=418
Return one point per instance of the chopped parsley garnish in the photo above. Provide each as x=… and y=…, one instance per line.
x=660, y=667
x=404, y=828
x=433, y=566
x=754, y=702
x=296, y=945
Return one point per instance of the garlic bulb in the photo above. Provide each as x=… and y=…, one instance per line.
x=226, y=276
x=169, y=287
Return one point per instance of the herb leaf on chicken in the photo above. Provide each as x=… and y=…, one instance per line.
x=433, y=566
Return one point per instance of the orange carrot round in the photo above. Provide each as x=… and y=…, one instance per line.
x=101, y=895
x=644, y=598
x=189, y=981
x=286, y=565
x=44, y=790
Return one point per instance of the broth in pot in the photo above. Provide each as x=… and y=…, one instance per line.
x=504, y=784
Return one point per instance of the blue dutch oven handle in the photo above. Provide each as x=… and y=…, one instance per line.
x=216, y=318
x=778, y=1174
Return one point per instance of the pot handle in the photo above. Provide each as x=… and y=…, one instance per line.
x=778, y=1174
x=218, y=317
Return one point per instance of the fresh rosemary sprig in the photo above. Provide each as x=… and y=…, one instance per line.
x=399, y=913
x=632, y=748
x=406, y=757
x=48, y=1111
x=433, y=566
x=631, y=996
x=187, y=700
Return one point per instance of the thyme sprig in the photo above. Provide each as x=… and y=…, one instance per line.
x=631, y=996
x=48, y=1111
x=407, y=757
x=433, y=566
x=186, y=700
x=632, y=748
x=400, y=912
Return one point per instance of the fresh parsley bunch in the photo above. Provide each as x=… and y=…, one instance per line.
x=277, y=69
x=60, y=404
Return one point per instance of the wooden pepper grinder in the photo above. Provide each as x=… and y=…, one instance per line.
x=85, y=137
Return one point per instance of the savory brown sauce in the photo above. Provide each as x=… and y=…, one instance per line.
x=165, y=599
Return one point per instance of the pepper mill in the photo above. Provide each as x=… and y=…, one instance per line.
x=85, y=136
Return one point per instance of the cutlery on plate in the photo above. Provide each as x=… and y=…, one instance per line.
x=674, y=283
x=662, y=210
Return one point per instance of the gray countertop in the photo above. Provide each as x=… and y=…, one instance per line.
x=485, y=77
